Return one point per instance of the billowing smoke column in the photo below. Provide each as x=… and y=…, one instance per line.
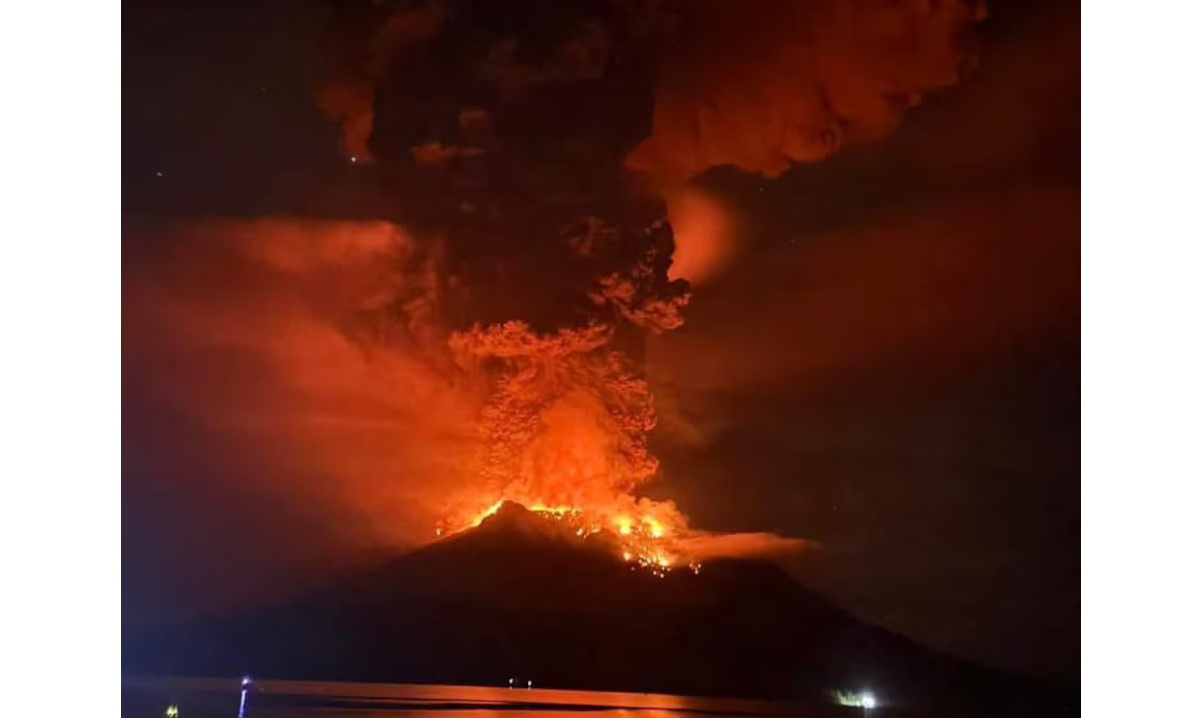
x=767, y=83
x=567, y=423
x=758, y=84
x=509, y=131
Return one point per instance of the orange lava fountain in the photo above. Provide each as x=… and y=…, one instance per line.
x=643, y=540
x=564, y=434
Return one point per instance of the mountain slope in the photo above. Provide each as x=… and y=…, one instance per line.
x=515, y=598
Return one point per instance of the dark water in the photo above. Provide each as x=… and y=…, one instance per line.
x=144, y=697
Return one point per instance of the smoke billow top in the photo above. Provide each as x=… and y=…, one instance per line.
x=494, y=350
x=764, y=84
x=758, y=84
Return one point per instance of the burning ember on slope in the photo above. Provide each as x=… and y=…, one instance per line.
x=643, y=541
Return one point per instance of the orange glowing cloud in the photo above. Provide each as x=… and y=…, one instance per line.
x=705, y=232
x=319, y=350
x=313, y=347
x=766, y=83
x=702, y=545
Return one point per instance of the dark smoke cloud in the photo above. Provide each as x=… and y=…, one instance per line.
x=957, y=237
x=365, y=39
x=938, y=283
x=894, y=362
x=758, y=84
x=767, y=83
x=903, y=393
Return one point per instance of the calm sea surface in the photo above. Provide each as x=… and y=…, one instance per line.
x=147, y=697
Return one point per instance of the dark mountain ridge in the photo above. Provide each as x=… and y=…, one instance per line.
x=518, y=597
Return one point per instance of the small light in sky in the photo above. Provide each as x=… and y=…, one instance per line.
x=354, y=159
x=158, y=174
x=529, y=685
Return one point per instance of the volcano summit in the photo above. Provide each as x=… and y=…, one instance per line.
x=521, y=595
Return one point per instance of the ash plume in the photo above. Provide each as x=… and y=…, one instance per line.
x=313, y=352
x=767, y=83
x=365, y=38
x=456, y=93
x=494, y=349
x=759, y=84
x=320, y=354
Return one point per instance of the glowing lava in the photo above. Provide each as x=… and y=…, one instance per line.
x=643, y=539
x=563, y=434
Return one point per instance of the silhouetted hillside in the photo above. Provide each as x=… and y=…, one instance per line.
x=514, y=598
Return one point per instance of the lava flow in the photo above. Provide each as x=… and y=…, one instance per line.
x=642, y=540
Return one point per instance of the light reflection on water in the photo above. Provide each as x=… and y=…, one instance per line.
x=145, y=697
x=477, y=713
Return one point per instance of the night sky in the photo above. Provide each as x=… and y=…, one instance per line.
x=888, y=365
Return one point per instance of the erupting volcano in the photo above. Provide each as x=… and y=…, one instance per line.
x=520, y=146
x=482, y=340
x=522, y=595
x=426, y=363
x=564, y=434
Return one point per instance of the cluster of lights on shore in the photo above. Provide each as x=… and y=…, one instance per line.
x=642, y=539
x=851, y=699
